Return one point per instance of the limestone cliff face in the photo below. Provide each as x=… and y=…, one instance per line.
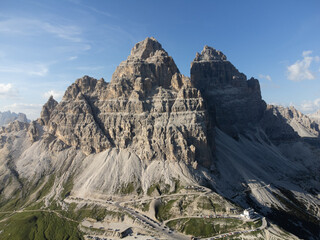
x=233, y=101
x=287, y=123
x=47, y=110
x=149, y=65
x=148, y=107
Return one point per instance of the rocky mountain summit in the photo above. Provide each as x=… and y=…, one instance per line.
x=7, y=117
x=234, y=102
x=151, y=130
x=288, y=123
x=148, y=106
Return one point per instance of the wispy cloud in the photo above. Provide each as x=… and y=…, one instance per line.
x=25, y=26
x=71, y=33
x=31, y=110
x=29, y=69
x=99, y=11
x=72, y=58
x=56, y=94
x=266, y=77
x=93, y=9
x=300, y=70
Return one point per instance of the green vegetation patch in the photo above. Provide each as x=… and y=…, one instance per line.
x=38, y=226
x=203, y=227
x=160, y=188
x=177, y=186
x=152, y=188
x=253, y=225
x=127, y=189
x=163, y=211
x=46, y=188
x=67, y=187
x=21, y=198
x=146, y=206
x=96, y=212
x=205, y=203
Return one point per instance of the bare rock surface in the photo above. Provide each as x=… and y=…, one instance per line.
x=153, y=126
x=233, y=101
x=7, y=117
x=47, y=110
x=148, y=107
x=283, y=123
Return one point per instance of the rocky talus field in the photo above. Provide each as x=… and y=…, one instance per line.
x=154, y=154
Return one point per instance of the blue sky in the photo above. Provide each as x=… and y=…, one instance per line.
x=46, y=45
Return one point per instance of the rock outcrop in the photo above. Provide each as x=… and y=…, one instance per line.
x=47, y=110
x=233, y=101
x=287, y=123
x=148, y=107
x=7, y=117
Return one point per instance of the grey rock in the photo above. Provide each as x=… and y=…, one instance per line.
x=233, y=101
x=287, y=123
x=47, y=110
x=148, y=107
x=8, y=116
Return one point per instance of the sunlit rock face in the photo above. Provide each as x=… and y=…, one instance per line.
x=148, y=107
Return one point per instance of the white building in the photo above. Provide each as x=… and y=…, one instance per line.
x=248, y=213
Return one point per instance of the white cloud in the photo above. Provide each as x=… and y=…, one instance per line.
x=5, y=88
x=300, y=70
x=72, y=58
x=56, y=94
x=267, y=77
x=92, y=8
x=31, y=110
x=40, y=70
x=310, y=106
x=8, y=91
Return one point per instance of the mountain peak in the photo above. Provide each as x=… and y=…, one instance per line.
x=149, y=63
x=47, y=109
x=146, y=48
x=210, y=54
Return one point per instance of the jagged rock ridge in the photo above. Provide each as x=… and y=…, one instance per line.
x=282, y=123
x=148, y=106
x=8, y=116
x=234, y=102
x=152, y=125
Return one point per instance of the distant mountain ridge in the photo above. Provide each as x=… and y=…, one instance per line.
x=8, y=116
x=287, y=123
